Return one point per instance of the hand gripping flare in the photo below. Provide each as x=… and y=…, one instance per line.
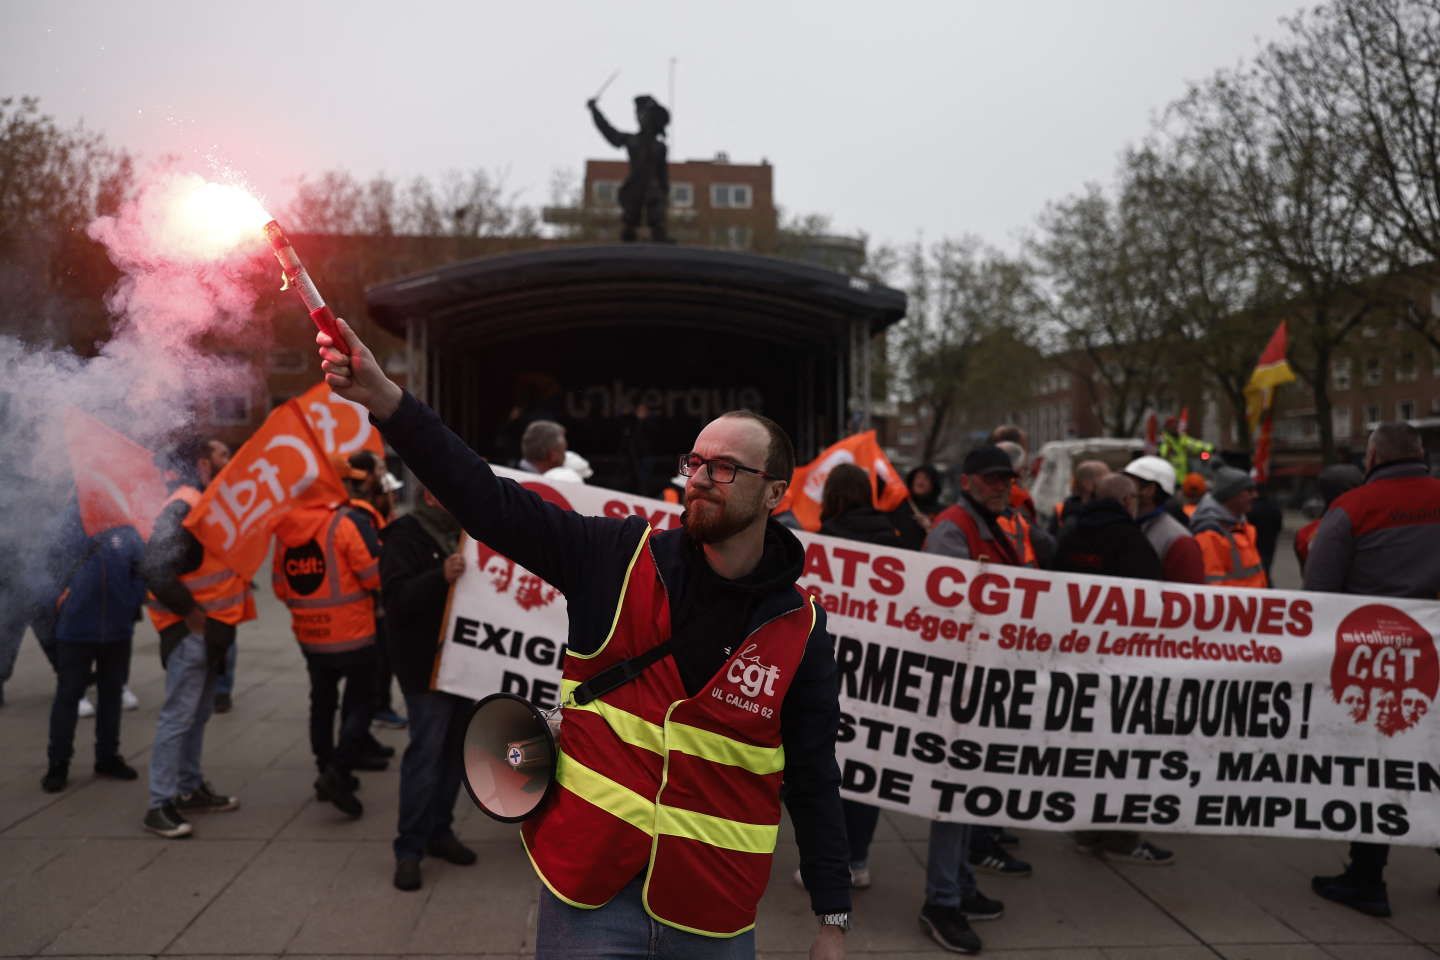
x=297, y=277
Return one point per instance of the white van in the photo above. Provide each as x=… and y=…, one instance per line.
x=1054, y=466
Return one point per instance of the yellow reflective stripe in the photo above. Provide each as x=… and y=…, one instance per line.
x=721, y=749
x=615, y=799
x=716, y=831
x=636, y=731
x=620, y=604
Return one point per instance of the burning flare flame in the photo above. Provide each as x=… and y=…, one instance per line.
x=203, y=220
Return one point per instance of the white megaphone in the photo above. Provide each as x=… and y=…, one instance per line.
x=509, y=757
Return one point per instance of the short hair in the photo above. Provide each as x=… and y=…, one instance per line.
x=1396, y=441
x=1090, y=471
x=846, y=488
x=539, y=438
x=363, y=460
x=1115, y=486
x=780, y=456
x=1007, y=433
x=1015, y=452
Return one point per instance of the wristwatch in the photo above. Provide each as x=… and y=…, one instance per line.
x=841, y=920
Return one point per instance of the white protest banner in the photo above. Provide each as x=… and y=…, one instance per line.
x=1004, y=695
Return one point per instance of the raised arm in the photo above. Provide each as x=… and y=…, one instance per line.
x=616, y=138
x=547, y=540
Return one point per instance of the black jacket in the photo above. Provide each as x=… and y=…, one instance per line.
x=413, y=591
x=868, y=525
x=171, y=552
x=587, y=559
x=1103, y=538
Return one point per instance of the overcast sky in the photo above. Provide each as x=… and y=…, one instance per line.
x=896, y=118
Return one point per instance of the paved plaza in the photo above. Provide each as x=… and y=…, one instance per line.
x=285, y=875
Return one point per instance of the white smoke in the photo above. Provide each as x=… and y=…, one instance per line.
x=182, y=329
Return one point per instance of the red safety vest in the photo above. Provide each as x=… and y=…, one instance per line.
x=684, y=789
x=1015, y=550
x=219, y=591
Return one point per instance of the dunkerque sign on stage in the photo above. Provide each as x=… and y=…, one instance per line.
x=994, y=694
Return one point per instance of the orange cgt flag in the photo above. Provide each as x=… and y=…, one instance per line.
x=281, y=467
x=807, y=486
x=116, y=480
x=342, y=425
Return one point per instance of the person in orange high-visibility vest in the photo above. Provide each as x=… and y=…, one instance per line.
x=661, y=825
x=327, y=566
x=1226, y=538
x=196, y=604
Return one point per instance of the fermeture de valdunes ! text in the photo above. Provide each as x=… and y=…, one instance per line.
x=1107, y=620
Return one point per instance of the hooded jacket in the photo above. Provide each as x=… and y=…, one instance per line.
x=103, y=597
x=1105, y=539
x=1381, y=538
x=1232, y=554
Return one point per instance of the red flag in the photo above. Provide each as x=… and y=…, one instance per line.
x=1271, y=371
x=343, y=426
x=116, y=480
x=1152, y=432
x=281, y=467
x=807, y=486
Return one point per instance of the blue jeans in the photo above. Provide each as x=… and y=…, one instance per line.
x=226, y=681
x=622, y=930
x=111, y=663
x=430, y=770
x=180, y=728
x=948, y=876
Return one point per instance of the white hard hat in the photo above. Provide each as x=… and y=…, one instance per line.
x=581, y=466
x=1155, y=470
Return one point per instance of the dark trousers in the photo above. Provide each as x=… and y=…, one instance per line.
x=74, y=663
x=383, y=674
x=357, y=669
x=1367, y=861
x=430, y=770
x=860, y=821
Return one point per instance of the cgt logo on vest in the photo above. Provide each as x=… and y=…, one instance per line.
x=754, y=679
x=305, y=567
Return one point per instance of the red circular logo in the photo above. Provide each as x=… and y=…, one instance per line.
x=1385, y=672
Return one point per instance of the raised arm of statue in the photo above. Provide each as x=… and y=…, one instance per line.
x=616, y=138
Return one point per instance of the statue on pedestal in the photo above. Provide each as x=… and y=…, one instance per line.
x=645, y=194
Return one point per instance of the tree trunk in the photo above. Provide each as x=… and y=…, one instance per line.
x=940, y=413
x=1320, y=390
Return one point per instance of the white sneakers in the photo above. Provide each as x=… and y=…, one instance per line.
x=128, y=701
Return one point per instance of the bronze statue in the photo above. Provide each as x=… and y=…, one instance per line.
x=646, y=190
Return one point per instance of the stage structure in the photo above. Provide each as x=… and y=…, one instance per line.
x=587, y=334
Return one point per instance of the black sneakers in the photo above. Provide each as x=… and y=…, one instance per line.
x=223, y=703
x=977, y=906
x=334, y=787
x=450, y=849
x=1369, y=898
x=947, y=926
x=55, y=778
x=115, y=768
x=1145, y=854
x=166, y=821
x=205, y=800
x=407, y=875
x=1000, y=863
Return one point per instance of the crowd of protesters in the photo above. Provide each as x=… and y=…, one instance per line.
x=366, y=587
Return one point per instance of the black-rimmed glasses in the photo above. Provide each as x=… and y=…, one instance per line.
x=721, y=471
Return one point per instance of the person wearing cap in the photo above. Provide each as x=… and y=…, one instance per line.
x=1180, y=558
x=1192, y=489
x=327, y=571
x=971, y=529
x=1334, y=480
x=1381, y=538
x=1227, y=540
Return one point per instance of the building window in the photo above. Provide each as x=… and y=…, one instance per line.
x=1374, y=370
x=606, y=193
x=682, y=195
x=1435, y=363
x=907, y=438
x=1435, y=406
x=731, y=238
x=287, y=361
x=1405, y=410
x=1340, y=373
x=1372, y=415
x=1340, y=422
x=230, y=409
x=1405, y=371
x=735, y=195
